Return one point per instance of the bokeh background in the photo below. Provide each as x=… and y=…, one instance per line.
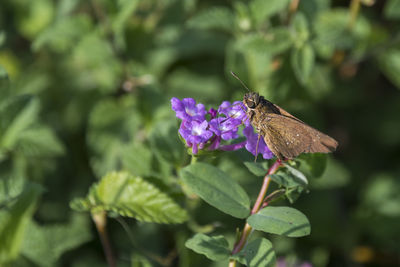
x=86, y=88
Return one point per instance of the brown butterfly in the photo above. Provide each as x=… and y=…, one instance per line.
x=285, y=135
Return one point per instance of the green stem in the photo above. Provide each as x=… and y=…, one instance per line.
x=354, y=10
x=193, y=159
x=257, y=205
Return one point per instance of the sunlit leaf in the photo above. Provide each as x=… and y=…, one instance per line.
x=133, y=197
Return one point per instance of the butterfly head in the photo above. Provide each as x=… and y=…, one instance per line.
x=251, y=100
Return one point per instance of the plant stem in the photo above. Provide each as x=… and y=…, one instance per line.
x=257, y=205
x=100, y=221
x=292, y=9
x=354, y=10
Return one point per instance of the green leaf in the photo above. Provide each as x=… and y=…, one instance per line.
x=335, y=175
x=301, y=30
x=389, y=63
x=63, y=34
x=381, y=195
x=262, y=10
x=281, y=221
x=215, y=248
x=392, y=9
x=131, y=196
x=137, y=159
x=125, y=10
x=39, y=141
x=35, y=16
x=220, y=18
x=332, y=31
x=138, y=260
x=54, y=240
x=298, y=175
x=2, y=38
x=257, y=168
x=16, y=115
x=303, y=60
x=276, y=41
x=217, y=189
x=113, y=124
x=165, y=140
x=289, y=177
x=13, y=223
x=312, y=164
x=258, y=253
x=4, y=84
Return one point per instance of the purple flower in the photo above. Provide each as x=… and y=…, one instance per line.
x=223, y=124
x=251, y=144
x=235, y=111
x=188, y=110
x=225, y=127
x=195, y=133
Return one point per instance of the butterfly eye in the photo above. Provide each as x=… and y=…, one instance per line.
x=251, y=104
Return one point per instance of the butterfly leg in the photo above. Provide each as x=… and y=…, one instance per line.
x=258, y=141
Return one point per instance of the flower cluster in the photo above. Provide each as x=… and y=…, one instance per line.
x=206, y=130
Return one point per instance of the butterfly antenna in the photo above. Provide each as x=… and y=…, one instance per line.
x=244, y=85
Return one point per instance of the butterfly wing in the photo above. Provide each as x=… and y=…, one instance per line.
x=287, y=136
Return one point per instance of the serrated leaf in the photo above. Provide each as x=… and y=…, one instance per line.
x=220, y=18
x=131, y=196
x=54, y=240
x=281, y=221
x=13, y=223
x=392, y=9
x=303, y=60
x=258, y=253
x=262, y=10
x=215, y=248
x=217, y=189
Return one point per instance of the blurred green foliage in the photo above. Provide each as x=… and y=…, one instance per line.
x=85, y=89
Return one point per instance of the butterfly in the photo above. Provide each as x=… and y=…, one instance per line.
x=285, y=135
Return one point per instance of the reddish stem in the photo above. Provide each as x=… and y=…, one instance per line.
x=257, y=205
